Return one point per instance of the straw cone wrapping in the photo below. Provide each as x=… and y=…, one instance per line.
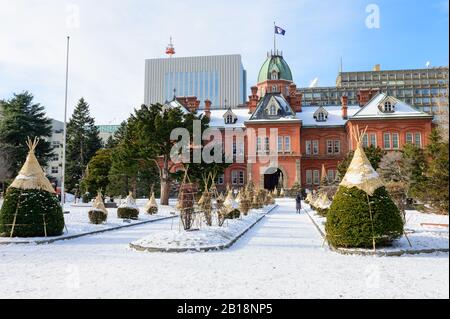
x=360, y=174
x=151, y=204
x=98, y=204
x=31, y=175
x=230, y=203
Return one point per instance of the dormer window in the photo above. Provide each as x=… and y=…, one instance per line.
x=229, y=119
x=388, y=107
x=274, y=75
x=272, y=110
x=321, y=117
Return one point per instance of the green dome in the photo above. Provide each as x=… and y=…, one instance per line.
x=274, y=63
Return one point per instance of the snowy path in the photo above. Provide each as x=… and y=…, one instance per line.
x=281, y=257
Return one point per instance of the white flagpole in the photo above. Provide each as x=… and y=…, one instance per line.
x=63, y=193
x=274, y=38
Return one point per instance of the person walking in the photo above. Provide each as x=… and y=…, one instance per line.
x=298, y=203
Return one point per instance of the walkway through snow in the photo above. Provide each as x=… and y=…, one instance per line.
x=281, y=257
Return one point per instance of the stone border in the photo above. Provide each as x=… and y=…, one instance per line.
x=344, y=251
x=68, y=237
x=202, y=249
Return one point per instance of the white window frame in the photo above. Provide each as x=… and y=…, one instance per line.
x=287, y=143
x=220, y=179
x=258, y=144
x=55, y=170
x=373, y=139
x=409, y=140
x=365, y=140
x=308, y=147
x=337, y=147
x=420, y=139
x=389, y=140
x=316, y=177
x=280, y=144
x=267, y=144
x=395, y=141
x=315, y=147
x=331, y=175
x=308, y=175
x=330, y=147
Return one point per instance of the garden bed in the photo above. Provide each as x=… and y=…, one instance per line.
x=424, y=239
x=78, y=225
x=204, y=239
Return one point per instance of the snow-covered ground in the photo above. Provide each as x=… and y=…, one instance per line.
x=205, y=238
x=281, y=257
x=77, y=221
x=422, y=237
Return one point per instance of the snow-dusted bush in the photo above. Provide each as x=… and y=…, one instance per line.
x=351, y=224
x=128, y=208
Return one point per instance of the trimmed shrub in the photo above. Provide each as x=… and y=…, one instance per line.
x=348, y=219
x=97, y=217
x=34, y=209
x=127, y=213
x=233, y=214
x=152, y=210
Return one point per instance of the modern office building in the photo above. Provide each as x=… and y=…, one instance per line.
x=221, y=79
x=426, y=89
x=105, y=131
x=54, y=166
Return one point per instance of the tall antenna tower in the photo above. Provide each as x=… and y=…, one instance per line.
x=170, y=49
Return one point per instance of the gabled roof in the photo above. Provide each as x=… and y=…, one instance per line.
x=227, y=113
x=334, y=117
x=320, y=109
x=217, y=117
x=402, y=109
x=284, y=110
x=173, y=104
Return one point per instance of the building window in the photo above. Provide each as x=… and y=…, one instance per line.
x=55, y=157
x=55, y=169
x=337, y=147
x=418, y=139
x=315, y=148
x=316, y=177
x=388, y=107
x=280, y=144
x=258, y=144
x=287, y=143
x=387, y=141
x=329, y=147
x=234, y=148
x=229, y=119
x=409, y=138
x=220, y=179
x=267, y=144
x=321, y=117
x=274, y=75
x=308, y=177
x=365, y=141
x=237, y=177
x=274, y=88
x=373, y=140
x=395, y=144
x=308, y=147
x=272, y=110
x=330, y=175
x=55, y=144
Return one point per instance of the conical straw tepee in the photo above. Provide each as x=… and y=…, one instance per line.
x=360, y=173
x=151, y=202
x=98, y=204
x=31, y=175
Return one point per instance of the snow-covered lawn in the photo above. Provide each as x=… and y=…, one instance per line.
x=280, y=257
x=205, y=238
x=77, y=221
x=422, y=237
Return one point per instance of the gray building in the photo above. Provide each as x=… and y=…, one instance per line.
x=220, y=78
x=426, y=89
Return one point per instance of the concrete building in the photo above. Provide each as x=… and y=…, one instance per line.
x=106, y=131
x=426, y=89
x=54, y=166
x=221, y=79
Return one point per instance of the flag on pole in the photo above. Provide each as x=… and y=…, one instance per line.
x=279, y=30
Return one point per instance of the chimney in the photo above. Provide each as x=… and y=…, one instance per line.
x=208, y=108
x=365, y=95
x=344, y=102
x=253, y=100
x=295, y=98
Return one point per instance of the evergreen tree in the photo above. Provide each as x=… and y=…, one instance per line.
x=374, y=154
x=22, y=118
x=82, y=142
x=96, y=178
x=437, y=175
x=414, y=166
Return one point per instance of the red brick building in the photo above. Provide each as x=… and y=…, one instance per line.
x=301, y=140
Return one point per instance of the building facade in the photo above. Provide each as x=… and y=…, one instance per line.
x=287, y=142
x=426, y=89
x=221, y=79
x=54, y=166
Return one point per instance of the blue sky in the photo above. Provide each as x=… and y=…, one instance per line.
x=110, y=40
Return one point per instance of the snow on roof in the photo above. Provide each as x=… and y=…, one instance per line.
x=402, y=109
x=217, y=120
x=334, y=115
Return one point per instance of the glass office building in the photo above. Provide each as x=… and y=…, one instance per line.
x=221, y=79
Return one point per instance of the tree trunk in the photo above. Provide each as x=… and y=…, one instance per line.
x=165, y=182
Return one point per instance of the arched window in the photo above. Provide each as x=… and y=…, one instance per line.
x=229, y=119
x=274, y=75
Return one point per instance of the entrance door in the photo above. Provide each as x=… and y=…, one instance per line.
x=273, y=178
